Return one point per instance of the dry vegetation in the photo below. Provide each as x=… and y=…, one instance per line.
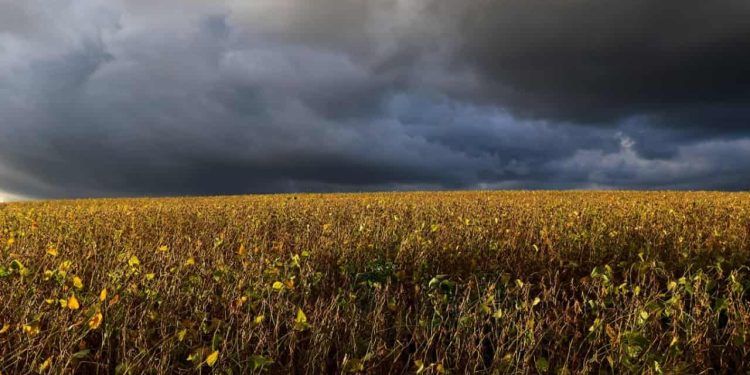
x=421, y=282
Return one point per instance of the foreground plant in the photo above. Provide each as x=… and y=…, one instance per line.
x=434, y=283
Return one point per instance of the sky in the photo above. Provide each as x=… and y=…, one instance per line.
x=199, y=97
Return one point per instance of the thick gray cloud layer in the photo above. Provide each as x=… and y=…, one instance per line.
x=133, y=97
x=599, y=61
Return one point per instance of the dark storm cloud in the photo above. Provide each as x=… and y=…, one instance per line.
x=133, y=98
x=601, y=61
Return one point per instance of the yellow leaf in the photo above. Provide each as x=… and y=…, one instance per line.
x=190, y=261
x=103, y=295
x=73, y=303
x=420, y=366
x=77, y=283
x=31, y=330
x=181, y=335
x=64, y=266
x=212, y=358
x=278, y=285
x=259, y=319
x=300, y=322
x=672, y=285
x=95, y=320
x=5, y=328
x=674, y=341
x=134, y=261
x=301, y=317
x=45, y=365
x=163, y=248
x=242, y=251
x=52, y=251
x=150, y=276
x=11, y=241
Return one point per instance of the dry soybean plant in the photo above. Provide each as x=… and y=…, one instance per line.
x=429, y=283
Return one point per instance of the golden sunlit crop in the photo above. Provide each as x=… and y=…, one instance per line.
x=429, y=283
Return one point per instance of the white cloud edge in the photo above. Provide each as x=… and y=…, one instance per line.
x=8, y=197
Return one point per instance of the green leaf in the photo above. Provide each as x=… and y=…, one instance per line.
x=82, y=354
x=435, y=281
x=16, y=265
x=258, y=361
x=634, y=343
x=542, y=365
x=353, y=365
x=720, y=304
x=123, y=369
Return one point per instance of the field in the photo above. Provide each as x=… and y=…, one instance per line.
x=432, y=283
